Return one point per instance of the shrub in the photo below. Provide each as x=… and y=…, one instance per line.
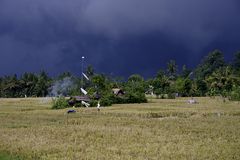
x=60, y=103
x=106, y=101
x=135, y=98
x=93, y=103
x=171, y=95
x=118, y=99
x=235, y=94
x=78, y=104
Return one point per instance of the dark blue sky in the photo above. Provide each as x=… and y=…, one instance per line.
x=118, y=37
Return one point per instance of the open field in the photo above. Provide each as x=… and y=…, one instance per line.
x=160, y=129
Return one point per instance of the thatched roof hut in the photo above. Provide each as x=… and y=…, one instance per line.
x=81, y=98
x=78, y=99
x=118, y=92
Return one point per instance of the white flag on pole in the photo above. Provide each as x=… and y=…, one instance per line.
x=85, y=76
x=83, y=91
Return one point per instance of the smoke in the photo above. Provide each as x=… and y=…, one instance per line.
x=61, y=87
x=45, y=100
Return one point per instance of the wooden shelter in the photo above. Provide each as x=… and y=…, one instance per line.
x=78, y=99
x=118, y=92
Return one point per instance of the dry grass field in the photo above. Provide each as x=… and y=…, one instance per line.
x=160, y=129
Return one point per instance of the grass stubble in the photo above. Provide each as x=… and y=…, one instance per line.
x=160, y=129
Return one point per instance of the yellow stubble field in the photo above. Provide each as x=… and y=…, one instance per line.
x=160, y=129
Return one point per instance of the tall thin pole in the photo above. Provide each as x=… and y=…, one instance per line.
x=82, y=72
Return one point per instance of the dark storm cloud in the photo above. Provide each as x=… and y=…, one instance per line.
x=119, y=37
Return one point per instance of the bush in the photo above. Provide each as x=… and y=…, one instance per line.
x=78, y=104
x=135, y=98
x=118, y=99
x=235, y=94
x=171, y=95
x=93, y=103
x=60, y=103
x=106, y=101
x=109, y=99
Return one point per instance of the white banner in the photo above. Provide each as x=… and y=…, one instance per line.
x=85, y=76
x=83, y=91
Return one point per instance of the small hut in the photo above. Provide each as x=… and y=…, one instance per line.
x=78, y=99
x=118, y=92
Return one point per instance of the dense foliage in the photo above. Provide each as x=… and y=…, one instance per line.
x=212, y=77
x=59, y=103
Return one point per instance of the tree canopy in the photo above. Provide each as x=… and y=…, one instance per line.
x=212, y=77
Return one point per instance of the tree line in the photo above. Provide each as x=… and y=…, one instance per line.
x=212, y=77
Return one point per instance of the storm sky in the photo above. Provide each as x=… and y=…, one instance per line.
x=117, y=37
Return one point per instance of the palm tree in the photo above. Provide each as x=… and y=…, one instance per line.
x=221, y=81
x=172, y=69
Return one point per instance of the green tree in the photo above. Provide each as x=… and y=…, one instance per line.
x=235, y=93
x=11, y=86
x=183, y=86
x=236, y=63
x=29, y=81
x=42, y=85
x=90, y=71
x=172, y=69
x=185, y=72
x=161, y=84
x=135, y=89
x=100, y=84
x=221, y=81
x=210, y=64
x=135, y=83
x=1, y=87
x=200, y=87
x=64, y=75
